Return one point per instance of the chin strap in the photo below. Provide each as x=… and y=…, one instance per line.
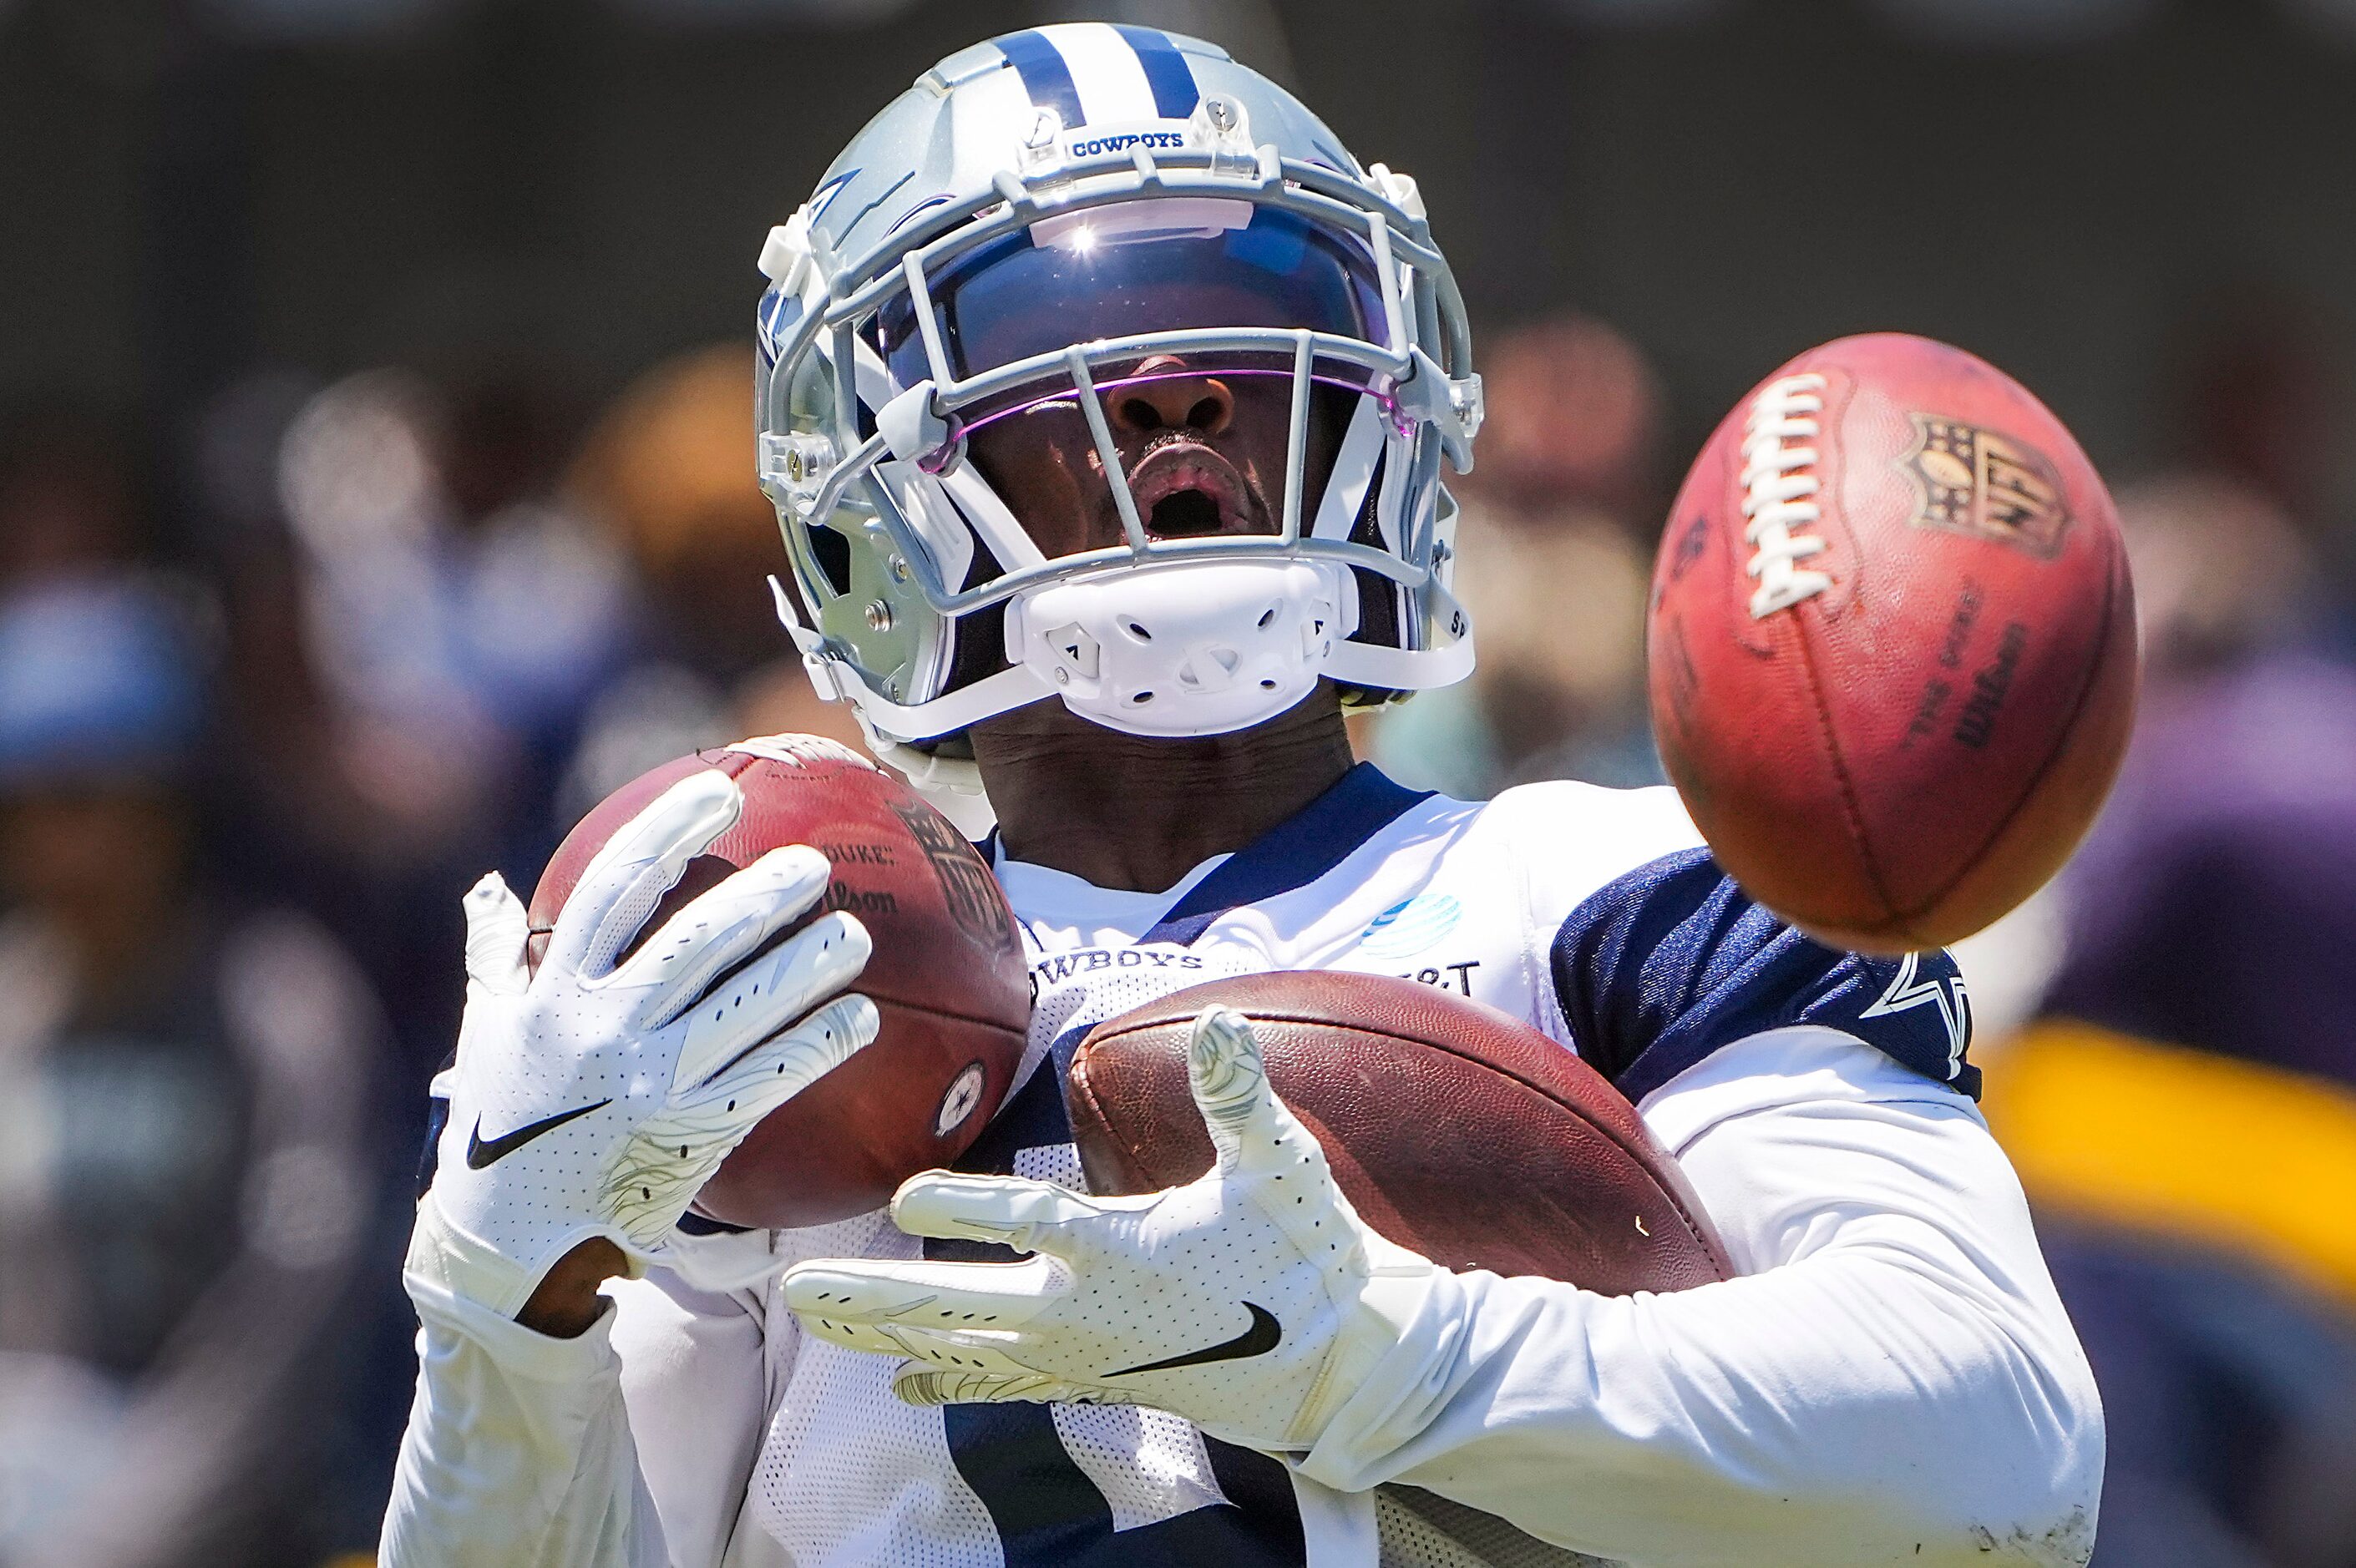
x=951, y=785
x=1421, y=669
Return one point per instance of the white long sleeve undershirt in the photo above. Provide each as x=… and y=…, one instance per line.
x=1893, y=1380
x=518, y=1451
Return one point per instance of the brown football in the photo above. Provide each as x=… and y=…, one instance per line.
x=1455, y=1129
x=948, y=975
x=1892, y=643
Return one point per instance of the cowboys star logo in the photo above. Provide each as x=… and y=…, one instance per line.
x=1910, y=988
x=1973, y=481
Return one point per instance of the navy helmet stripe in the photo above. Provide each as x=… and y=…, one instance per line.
x=1045, y=75
x=1166, y=71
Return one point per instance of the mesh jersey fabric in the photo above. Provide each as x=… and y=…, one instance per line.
x=1554, y=902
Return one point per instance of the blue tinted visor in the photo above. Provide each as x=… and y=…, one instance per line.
x=1118, y=271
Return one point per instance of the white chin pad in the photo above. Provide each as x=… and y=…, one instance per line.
x=1196, y=647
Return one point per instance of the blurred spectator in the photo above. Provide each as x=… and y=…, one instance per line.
x=1574, y=418
x=669, y=470
x=1553, y=560
x=2259, y=402
x=183, y=1082
x=2212, y=906
x=459, y=619
x=66, y=498
x=2184, y=1114
x=417, y=624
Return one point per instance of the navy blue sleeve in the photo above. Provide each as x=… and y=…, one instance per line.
x=1660, y=967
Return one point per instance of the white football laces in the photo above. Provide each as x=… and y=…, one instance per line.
x=1780, y=481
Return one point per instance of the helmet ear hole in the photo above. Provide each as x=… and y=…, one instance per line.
x=831, y=552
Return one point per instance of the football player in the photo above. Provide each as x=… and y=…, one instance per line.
x=1103, y=400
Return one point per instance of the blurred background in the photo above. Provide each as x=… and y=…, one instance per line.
x=376, y=492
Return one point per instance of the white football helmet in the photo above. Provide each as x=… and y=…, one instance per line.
x=1028, y=226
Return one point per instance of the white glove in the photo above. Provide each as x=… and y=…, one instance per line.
x=1252, y=1302
x=590, y=1100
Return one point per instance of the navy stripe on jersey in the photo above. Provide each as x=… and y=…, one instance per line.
x=1662, y=967
x=1166, y=71
x=1292, y=854
x=1048, y=1513
x=1045, y=1509
x=695, y=1224
x=1045, y=75
x=1265, y=1511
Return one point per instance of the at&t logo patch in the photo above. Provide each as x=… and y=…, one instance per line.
x=1411, y=926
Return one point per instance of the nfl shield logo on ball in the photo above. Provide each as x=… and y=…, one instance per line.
x=1973, y=481
x=972, y=896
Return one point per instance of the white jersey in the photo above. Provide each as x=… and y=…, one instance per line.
x=1895, y=1367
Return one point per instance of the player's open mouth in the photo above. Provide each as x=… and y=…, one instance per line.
x=1183, y=489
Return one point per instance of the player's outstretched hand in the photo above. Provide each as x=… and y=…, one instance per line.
x=593, y=1097
x=1252, y=1301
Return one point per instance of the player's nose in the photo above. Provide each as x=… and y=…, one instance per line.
x=1168, y=396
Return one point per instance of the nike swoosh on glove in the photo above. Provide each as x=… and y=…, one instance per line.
x=594, y=1097
x=1252, y=1302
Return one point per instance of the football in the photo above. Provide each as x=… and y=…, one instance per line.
x=948, y=975
x=1892, y=643
x=1455, y=1129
